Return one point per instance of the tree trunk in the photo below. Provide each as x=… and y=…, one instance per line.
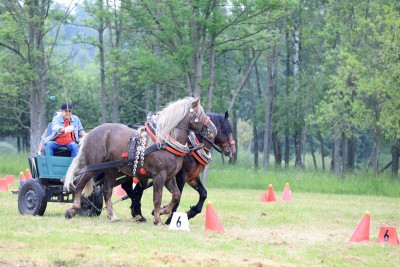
x=102, y=64
x=254, y=121
x=234, y=129
x=376, y=162
x=297, y=148
x=352, y=153
x=212, y=69
x=277, y=149
x=345, y=154
x=313, y=153
x=115, y=116
x=37, y=62
x=321, y=144
x=269, y=103
x=336, y=155
x=287, y=85
x=287, y=147
x=253, y=113
x=296, y=74
x=395, y=159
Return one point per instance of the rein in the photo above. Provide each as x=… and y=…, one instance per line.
x=202, y=135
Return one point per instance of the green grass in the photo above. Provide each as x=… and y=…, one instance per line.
x=312, y=230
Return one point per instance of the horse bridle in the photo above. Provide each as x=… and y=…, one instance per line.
x=193, y=113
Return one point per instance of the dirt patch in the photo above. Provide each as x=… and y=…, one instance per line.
x=14, y=246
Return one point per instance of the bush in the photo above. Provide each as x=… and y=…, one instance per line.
x=6, y=148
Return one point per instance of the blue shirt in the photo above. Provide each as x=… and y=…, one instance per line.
x=58, y=123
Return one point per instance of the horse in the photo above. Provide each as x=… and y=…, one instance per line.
x=109, y=142
x=193, y=166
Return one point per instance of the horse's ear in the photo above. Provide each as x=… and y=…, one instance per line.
x=226, y=115
x=195, y=103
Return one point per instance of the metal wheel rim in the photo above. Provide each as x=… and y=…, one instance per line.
x=31, y=200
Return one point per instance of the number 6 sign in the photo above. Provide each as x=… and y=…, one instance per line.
x=179, y=222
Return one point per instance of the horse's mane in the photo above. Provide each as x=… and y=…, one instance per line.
x=223, y=125
x=171, y=115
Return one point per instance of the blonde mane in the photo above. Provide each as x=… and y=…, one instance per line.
x=171, y=115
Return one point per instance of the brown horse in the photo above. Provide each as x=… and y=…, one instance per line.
x=193, y=165
x=108, y=142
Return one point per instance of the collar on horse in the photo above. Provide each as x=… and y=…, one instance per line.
x=202, y=155
x=170, y=143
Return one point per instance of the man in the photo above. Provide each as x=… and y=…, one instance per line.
x=65, y=131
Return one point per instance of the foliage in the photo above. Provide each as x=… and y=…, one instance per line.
x=348, y=77
x=6, y=148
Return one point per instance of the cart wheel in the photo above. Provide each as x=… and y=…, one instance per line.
x=32, y=198
x=97, y=199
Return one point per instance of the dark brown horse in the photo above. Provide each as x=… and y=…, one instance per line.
x=109, y=142
x=193, y=166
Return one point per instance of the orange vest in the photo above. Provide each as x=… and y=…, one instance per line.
x=65, y=138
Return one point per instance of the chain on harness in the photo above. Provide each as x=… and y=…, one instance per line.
x=139, y=155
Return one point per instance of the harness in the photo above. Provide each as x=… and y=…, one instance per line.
x=129, y=158
x=201, y=155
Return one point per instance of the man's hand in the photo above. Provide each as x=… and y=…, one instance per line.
x=69, y=129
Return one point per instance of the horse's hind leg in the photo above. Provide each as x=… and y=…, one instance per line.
x=81, y=182
x=135, y=195
x=176, y=196
x=109, y=182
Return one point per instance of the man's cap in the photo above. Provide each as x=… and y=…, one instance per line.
x=66, y=106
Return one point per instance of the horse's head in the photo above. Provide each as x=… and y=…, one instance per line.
x=200, y=122
x=224, y=138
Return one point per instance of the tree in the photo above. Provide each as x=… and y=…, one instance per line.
x=26, y=36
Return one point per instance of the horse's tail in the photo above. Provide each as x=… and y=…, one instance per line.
x=88, y=189
x=76, y=165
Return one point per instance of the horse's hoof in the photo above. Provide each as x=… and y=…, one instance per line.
x=114, y=219
x=68, y=214
x=168, y=221
x=139, y=218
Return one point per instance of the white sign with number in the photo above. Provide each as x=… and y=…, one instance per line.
x=179, y=221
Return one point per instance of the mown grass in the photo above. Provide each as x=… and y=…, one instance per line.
x=312, y=230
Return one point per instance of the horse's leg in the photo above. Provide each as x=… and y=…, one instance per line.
x=135, y=195
x=81, y=182
x=180, y=181
x=158, y=184
x=199, y=187
x=176, y=196
x=109, y=182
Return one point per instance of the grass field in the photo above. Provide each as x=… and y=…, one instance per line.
x=312, y=230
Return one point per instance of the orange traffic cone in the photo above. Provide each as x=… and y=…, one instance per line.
x=212, y=221
x=361, y=233
x=119, y=191
x=10, y=179
x=28, y=174
x=21, y=177
x=271, y=194
x=3, y=185
x=287, y=193
x=388, y=235
x=264, y=197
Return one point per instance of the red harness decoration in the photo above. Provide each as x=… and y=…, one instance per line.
x=196, y=156
x=142, y=171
